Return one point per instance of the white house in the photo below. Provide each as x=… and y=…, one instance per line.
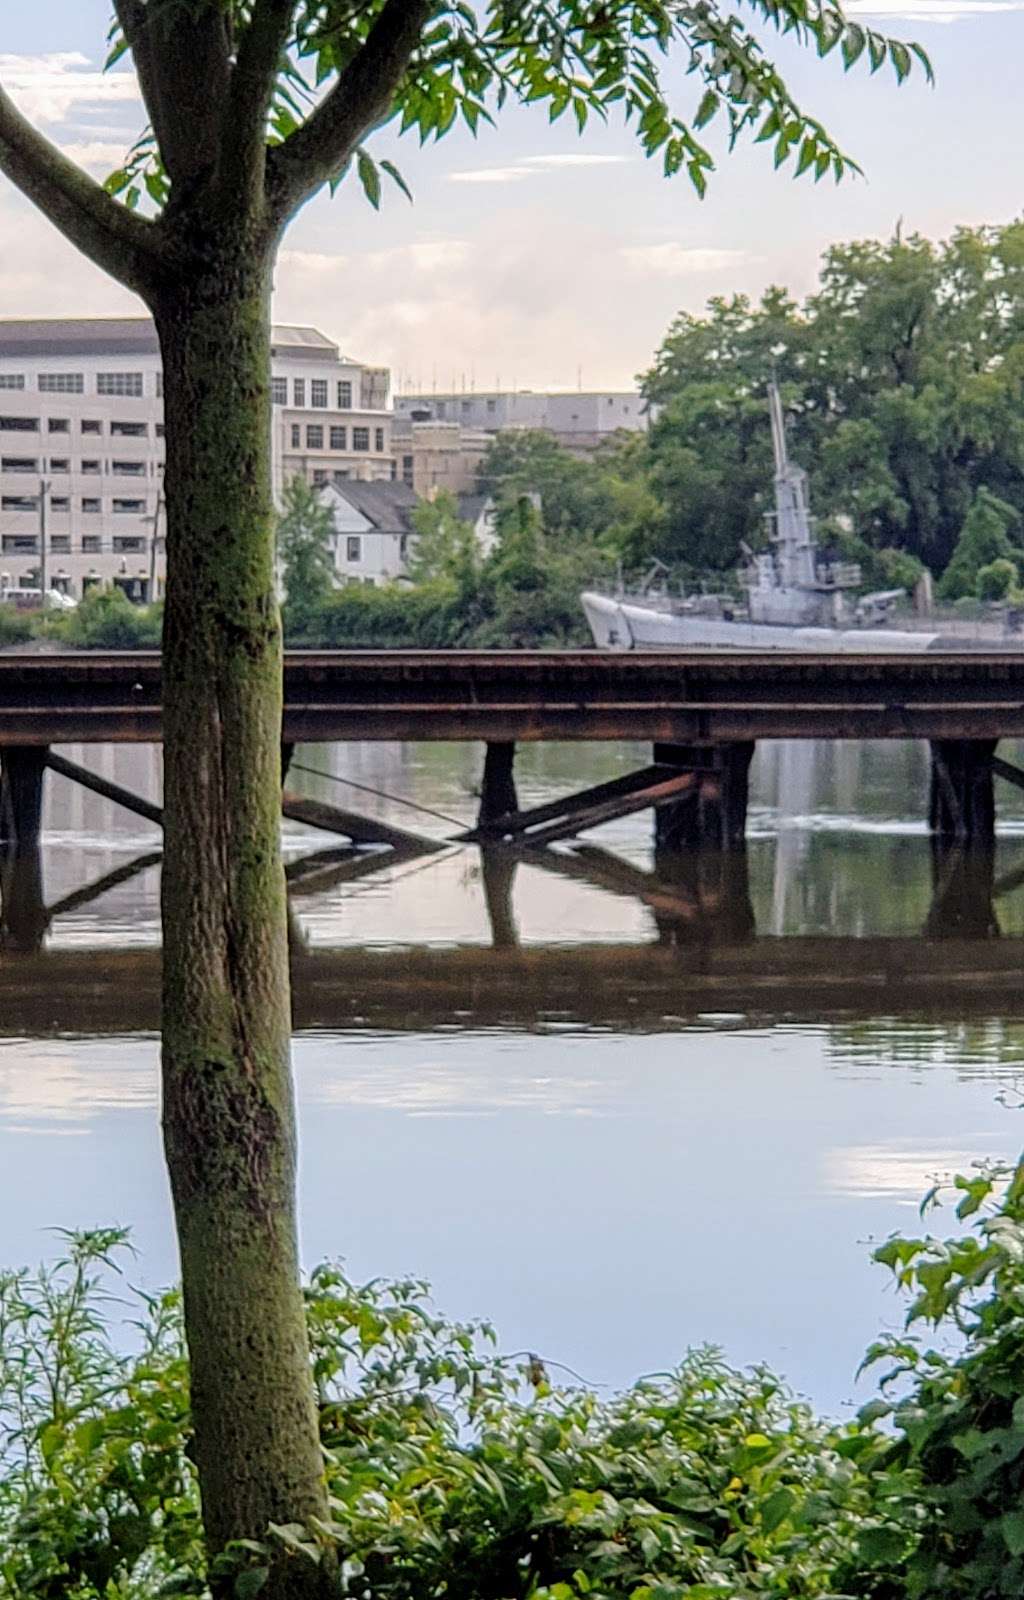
x=372, y=529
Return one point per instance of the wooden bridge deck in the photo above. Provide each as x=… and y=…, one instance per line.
x=693, y=698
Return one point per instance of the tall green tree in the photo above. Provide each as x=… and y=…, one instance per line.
x=305, y=530
x=254, y=105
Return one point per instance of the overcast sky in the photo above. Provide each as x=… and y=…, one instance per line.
x=529, y=258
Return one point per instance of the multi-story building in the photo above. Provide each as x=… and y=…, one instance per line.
x=431, y=456
x=580, y=420
x=82, y=443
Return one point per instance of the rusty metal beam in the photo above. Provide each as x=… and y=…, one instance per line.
x=699, y=698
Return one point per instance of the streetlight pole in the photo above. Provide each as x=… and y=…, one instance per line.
x=44, y=490
x=155, y=520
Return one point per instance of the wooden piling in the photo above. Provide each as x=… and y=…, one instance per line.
x=713, y=813
x=961, y=805
x=498, y=797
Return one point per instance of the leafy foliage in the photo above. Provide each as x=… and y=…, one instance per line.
x=305, y=534
x=105, y=619
x=451, y=1470
x=15, y=625
x=903, y=380
x=959, y=1421
x=569, y=58
x=984, y=540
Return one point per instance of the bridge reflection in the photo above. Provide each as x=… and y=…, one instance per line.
x=704, y=954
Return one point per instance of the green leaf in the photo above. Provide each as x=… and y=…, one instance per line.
x=396, y=177
x=1011, y=1526
x=777, y=1508
x=369, y=177
x=251, y=1583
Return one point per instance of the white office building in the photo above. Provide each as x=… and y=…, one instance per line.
x=578, y=419
x=82, y=444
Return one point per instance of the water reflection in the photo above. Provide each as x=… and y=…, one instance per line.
x=682, y=1090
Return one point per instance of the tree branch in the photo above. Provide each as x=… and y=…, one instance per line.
x=363, y=93
x=182, y=57
x=121, y=243
x=244, y=146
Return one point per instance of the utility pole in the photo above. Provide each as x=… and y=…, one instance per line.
x=44, y=490
x=155, y=520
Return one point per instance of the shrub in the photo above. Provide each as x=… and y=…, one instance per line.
x=15, y=625
x=997, y=580
x=451, y=1470
x=105, y=619
x=959, y=1420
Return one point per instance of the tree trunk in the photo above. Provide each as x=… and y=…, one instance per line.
x=228, y=1113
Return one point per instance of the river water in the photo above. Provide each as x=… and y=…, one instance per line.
x=617, y=1113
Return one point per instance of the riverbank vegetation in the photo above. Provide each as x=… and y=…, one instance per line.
x=455, y=1471
x=902, y=376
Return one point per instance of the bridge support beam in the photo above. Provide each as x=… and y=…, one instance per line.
x=24, y=916
x=713, y=815
x=498, y=796
x=962, y=804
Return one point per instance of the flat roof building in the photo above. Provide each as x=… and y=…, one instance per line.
x=578, y=419
x=82, y=443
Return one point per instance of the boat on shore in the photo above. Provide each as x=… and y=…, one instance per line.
x=797, y=597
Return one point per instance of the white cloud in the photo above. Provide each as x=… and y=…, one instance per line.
x=424, y=255
x=48, y=88
x=672, y=260
x=930, y=10
x=311, y=263
x=574, y=159
x=491, y=175
x=96, y=154
x=534, y=166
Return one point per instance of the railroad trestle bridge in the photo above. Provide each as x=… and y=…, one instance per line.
x=701, y=713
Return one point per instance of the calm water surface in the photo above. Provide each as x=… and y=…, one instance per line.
x=610, y=1178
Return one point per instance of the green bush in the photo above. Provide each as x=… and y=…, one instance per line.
x=452, y=1471
x=996, y=581
x=959, y=1419
x=105, y=619
x=15, y=625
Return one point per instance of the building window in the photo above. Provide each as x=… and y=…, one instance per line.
x=318, y=393
x=12, y=380
x=58, y=425
x=279, y=391
x=129, y=430
x=340, y=475
x=60, y=464
x=160, y=430
x=20, y=544
x=299, y=391
x=91, y=546
x=378, y=443
x=19, y=424
x=129, y=508
x=160, y=385
x=314, y=436
x=353, y=547
x=344, y=395
x=91, y=426
x=465, y=406
x=442, y=408
x=320, y=477
x=60, y=544
x=296, y=436
x=129, y=469
x=61, y=503
x=127, y=385
x=91, y=466
x=360, y=438
x=19, y=464
x=492, y=406
x=62, y=383
x=127, y=544
x=19, y=502
x=90, y=505
x=407, y=470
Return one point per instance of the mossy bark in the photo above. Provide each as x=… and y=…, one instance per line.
x=228, y=1114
